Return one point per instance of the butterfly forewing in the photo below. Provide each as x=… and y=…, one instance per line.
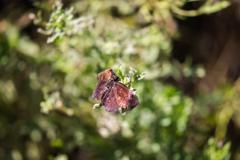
x=105, y=79
x=107, y=75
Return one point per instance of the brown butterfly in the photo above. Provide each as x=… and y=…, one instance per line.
x=114, y=96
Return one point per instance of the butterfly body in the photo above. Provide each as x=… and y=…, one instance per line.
x=114, y=95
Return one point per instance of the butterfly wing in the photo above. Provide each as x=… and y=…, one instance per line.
x=125, y=98
x=107, y=75
x=109, y=101
x=118, y=97
x=100, y=89
x=121, y=93
x=105, y=79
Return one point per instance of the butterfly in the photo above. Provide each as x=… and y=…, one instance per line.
x=114, y=95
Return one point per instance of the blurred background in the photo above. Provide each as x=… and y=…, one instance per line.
x=185, y=54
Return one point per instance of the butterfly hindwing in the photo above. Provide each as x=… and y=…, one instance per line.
x=119, y=97
x=121, y=93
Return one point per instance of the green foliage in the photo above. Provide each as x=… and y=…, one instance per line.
x=208, y=7
x=45, y=88
x=62, y=23
x=216, y=150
